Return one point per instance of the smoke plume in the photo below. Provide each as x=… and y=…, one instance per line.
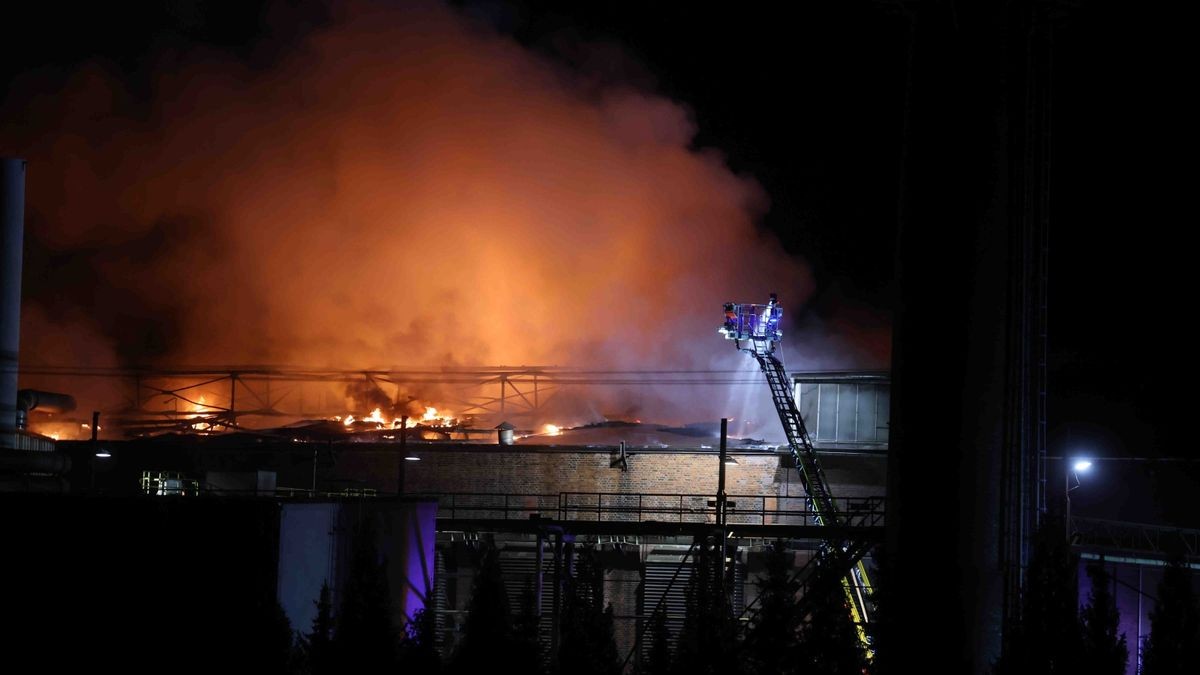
x=407, y=187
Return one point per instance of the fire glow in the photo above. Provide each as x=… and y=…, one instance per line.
x=370, y=208
x=198, y=408
x=376, y=420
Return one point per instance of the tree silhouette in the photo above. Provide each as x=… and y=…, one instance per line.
x=488, y=630
x=526, y=652
x=262, y=638
x=772, y=641
x=1174, y=624
x=365, y=639
x=708, y=640
x=318, y=644
x=587, y=646
x=829, y=640
x=418, y=648
x=658, y=660
x=1104, y=650
x=1046, y=639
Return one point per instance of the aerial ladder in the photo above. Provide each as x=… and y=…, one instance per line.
x=754, y=329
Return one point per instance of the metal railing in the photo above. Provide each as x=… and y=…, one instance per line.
x=1139, y=538
x=650, y=507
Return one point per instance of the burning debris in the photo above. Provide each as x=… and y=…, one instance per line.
x=431, y=418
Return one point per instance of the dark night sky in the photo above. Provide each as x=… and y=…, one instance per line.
x=810, y=101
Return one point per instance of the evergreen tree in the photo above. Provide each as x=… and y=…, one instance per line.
x=280, y=653
x=829, y=640
x=527, y=644
x=881, y=605
x=1047, y=639
x=1104, y=650
x=365, y=640
x=261, y=638
x=658, y=661
x=418, y=648
x=488, y=631
x=708, y=640
x=587, y=644
x=771, y=642
x=318, y=645
x=1174, y=640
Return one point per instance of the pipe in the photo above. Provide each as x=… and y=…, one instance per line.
x=12, y=226
x=45, y=401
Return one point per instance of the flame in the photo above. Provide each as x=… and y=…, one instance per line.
x=431, y=418
x=199, y=407
x=552, y=430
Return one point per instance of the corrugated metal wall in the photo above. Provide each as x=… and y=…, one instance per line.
x=845, y=412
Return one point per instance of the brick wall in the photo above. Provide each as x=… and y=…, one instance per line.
x=551, y=470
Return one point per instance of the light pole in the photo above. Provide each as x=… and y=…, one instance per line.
x=1070, y=467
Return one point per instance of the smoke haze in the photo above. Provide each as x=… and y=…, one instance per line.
x=409, y=187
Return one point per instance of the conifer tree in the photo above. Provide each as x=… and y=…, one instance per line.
x=829, y=640
x=488, y=630
x=588, y=645
x=527, y=645
x=1046, y=639
x=1104, y=649
x=418, y=648
x=771, y=643
x=318, y=644
x=1174, y=640
x=658, y=660
x=708, y=640
x=365, y=639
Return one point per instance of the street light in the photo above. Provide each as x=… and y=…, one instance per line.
x=1077, y=467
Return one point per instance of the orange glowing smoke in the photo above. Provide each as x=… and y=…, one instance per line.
x=407, y=187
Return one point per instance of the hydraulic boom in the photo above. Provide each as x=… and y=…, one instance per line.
x=755, y=330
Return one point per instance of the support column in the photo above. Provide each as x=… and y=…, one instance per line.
x=12, y=227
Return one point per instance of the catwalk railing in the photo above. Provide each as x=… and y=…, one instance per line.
x=1138, y=538
x=650, y=507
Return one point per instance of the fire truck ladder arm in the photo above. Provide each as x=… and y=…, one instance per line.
x=755, y=330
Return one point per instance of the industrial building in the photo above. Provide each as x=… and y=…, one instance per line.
x=963, y=462
x=289, y=491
